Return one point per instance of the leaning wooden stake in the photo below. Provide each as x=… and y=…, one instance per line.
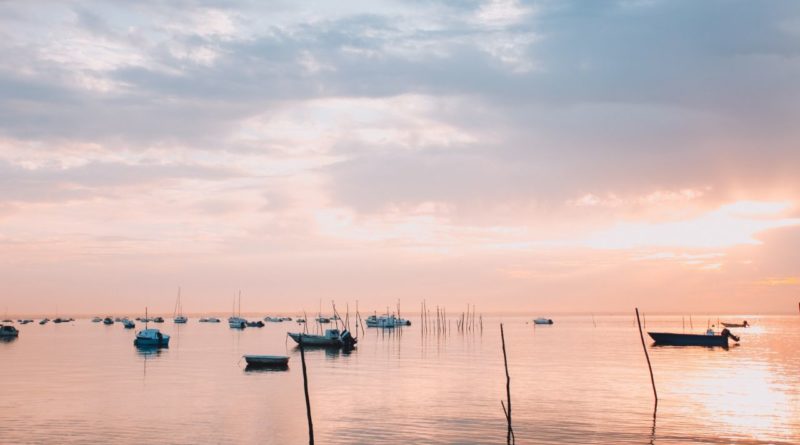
x=507, y=407
x=305, y=388
x=647, y=356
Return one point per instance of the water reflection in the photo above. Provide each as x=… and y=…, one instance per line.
x=149, y=351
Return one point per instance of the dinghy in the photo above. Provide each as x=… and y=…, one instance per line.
x=743, y=324
x=543, y=320
x=266, y=361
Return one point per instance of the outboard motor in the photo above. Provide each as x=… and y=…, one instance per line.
x=348, y=342
x=726, y=333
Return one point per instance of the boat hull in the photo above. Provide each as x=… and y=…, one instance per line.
x=266, y=361
x=664, y=338
x=151, y=343
x=316, y=340
x=734, y=325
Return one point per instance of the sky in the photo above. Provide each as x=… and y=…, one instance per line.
x=546, y=156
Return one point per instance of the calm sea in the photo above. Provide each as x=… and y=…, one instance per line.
x=572, y=382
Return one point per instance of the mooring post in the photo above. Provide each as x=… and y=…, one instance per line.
x=305, y=389
x=507, y=407
x=647, y=356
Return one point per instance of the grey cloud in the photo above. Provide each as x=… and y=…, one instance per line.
x=19, y=184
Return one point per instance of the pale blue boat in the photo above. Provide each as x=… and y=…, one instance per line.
x=151, y=338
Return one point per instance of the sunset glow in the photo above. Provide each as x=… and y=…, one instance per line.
x=477, y=148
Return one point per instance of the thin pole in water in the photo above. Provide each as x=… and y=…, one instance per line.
x=647, y=356
x=507, y=410
x=305, y=389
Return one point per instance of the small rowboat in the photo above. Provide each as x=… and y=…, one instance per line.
x=744, y=324
x=266, y=361
x=665, y=338
x=543, y=321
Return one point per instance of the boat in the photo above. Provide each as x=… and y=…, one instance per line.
x=151, y=338
x=118, y=319
x=743, y=324
x=301, y=320
x=177, y=314
x=60, y=320
x=255, y=324
x=236, y=321
x=332, y=338
x=96, y=320
x=386, y=321
x=25, y=321
x=158, y=320
x=108, y=321
x=7, y=331
x=542, y=320
x=710, y=338
x=212, y=320
x=323, y=320
x=128, y=324
x=44, y=321
x=266, y=361
x=273, y=319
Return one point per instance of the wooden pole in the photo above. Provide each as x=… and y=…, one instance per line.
x=507, y=406
x=305, y=389
x=647, y=356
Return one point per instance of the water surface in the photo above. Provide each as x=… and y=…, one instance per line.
x=572, y=382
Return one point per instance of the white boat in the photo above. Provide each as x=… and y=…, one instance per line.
x=323, y=320
x=128, y=324
x=386, y=321
x=235, y=321
x=7, y=331
x=96, y=320
x=212, y=320
x=273, y=319
x=177, y=314
x=151, y=338
x=332, y=337
x=266, y=361
x=542, y=320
